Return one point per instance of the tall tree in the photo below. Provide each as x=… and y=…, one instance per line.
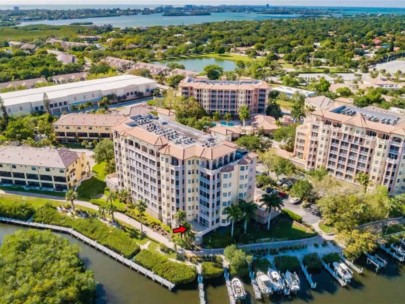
x=111, y=197
x=227, y=117
x=213, y=71
x=357, y=242
x=47, y=103
x=270, y=202
x=141, y=206
x=248, y=212
x=71, y=196
x=216, y=116
x=363, y=179
x=244, y=114
x=5, y=117
x=234, y=214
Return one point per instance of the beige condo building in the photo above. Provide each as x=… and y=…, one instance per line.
x=226, y=96
x=42, y=168
x=348, y=140
x=173, y=167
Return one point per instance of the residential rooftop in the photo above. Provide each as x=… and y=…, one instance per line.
x=38, y=157
x=84, y=119
x=242, y=83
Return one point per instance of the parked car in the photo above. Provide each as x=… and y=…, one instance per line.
x=282, y=194
x=288, y=184
x=294, y=200
x=270, y=190
x=281, y=181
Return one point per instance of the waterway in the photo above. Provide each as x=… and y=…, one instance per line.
x=117, y=284
x=158, y=19
x=198, y=64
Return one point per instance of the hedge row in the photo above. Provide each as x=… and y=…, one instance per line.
x=19, y=210
x=312, y=261
x=111, y=237
x=294, y=216
x=177, y=273
x=284, y=263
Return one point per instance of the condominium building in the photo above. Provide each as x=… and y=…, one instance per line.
x=43, y=168
x=348, y=140
x=173, y=167
x=226, y=96
x=61, y=97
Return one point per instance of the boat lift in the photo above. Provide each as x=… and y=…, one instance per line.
x=201, y=285
x=392, y=252
x=228, y=285
x=342, y=282
x=359, y=270
x=256, y=290
x=376, y=260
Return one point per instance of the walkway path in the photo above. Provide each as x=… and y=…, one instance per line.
x=163, y=240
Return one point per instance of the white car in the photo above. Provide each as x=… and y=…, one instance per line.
x=294, y=200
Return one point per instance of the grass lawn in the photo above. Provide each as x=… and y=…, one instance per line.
x=93, y=187
x=282, y=228
x=229, y=56
x=35, y=202
x=285, y=104
x=325, y=228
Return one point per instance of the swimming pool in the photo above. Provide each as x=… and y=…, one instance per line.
x=227, y=124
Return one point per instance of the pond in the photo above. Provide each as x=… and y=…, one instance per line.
x=117, y=284
x=198, y=64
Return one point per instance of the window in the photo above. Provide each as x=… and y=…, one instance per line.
x=47, y=169
x=13, y=166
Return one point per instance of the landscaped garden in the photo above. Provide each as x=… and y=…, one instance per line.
x=94, y=187
x=282, y=228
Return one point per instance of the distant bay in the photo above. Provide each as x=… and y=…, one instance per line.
x=159, y=20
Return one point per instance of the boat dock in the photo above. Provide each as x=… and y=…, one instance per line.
x=256, y=290
x=201, y=285
x=342, y=282
x=132, y=265
x=308, y=276
x=228, y=285
x=392, y=253
x=376, y=260
x=356, y=268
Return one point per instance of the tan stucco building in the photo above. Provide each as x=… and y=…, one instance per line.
x=42, y=168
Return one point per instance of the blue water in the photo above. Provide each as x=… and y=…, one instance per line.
x=198, y=64
x=227, y=124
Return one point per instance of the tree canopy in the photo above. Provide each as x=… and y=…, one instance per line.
x=40, y=267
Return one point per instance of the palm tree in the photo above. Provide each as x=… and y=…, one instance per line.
x=141, y=206
x=227, y=117
x=234, y=214
x=216, y=116
x=102, y=211
x=270, y=202
x=71, y=196
x=180, y=217
x=111, y=197
x=248, y=212
x=47, y=103
x=363, y=179
x=244, y=114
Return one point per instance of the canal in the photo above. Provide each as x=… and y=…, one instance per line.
x=117, y=284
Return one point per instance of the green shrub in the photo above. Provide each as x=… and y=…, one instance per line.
x=212, y=270
x=18, y=210
x=293, y=215
x=284, y=263
x=331, y=257
x=111, y=237
x=261, y=264
x=177, y=273
x=312, y=261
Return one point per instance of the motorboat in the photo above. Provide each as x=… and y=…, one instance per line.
x=343, y=271
x=238, y=290
x=264, y=283
x=292, y=281
x=276, y=280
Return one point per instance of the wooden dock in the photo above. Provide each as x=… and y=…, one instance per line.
x=359, y=270
x=342, y=282
x=256, y=289
x=112, y=254
x=377, y=261
x=201, y=285
x=308, y=276
x=228, y=286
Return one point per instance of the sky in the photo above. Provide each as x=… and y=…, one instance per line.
x=360, y=3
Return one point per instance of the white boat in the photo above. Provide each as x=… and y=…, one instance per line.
x=264, y=283
x=238, y=290
x=276, y=280
x=343, y=271
x=292, y=281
